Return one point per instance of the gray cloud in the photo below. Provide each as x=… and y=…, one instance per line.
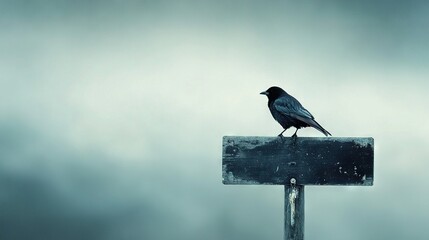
x=112, y=115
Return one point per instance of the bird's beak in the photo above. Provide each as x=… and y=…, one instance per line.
x=264, y=93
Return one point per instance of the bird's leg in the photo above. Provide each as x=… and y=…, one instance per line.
x=294, y=136
x=281, y=134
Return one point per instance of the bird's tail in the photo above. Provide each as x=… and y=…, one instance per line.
x=313, y=123
x=317, y=126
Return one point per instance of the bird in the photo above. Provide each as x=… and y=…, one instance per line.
x=289, y=112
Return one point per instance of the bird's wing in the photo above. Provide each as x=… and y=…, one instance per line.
x=291, y=107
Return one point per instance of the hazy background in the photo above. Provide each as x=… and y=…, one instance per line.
x=112, y=115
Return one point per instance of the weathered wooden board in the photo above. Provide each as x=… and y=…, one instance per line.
x=294, y=212
x=311, y=161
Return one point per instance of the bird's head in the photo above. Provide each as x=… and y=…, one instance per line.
x=273, y=93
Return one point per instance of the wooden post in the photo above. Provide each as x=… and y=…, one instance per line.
x=296, y=163
x=294, y=212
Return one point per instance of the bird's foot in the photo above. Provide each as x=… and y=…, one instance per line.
x=282, y=138
x=294, y=138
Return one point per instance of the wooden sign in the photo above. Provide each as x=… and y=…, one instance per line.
x=296, y=162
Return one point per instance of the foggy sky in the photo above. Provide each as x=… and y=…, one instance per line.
x=112, y=115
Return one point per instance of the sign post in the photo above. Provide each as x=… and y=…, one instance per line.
x=295, y=163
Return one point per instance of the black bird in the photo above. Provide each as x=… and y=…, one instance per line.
x=288, y=112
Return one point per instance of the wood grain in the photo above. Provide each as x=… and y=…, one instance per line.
x=311, y=161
